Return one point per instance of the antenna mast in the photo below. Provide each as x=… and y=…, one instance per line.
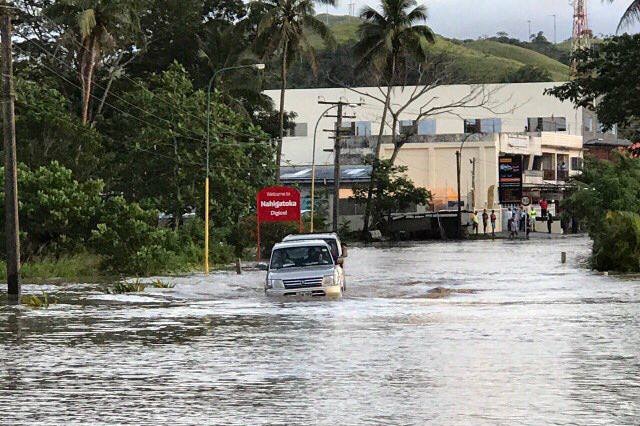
x=581, y=33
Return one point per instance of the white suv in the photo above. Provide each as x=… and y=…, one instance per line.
x=303, y=268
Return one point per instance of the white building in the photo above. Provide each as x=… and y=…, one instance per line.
x=492, y=108
x=505, y=119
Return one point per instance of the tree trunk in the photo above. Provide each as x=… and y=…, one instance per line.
x=283, y=88
x=87, y=68
x=396, y=150
x=103, y=100
x=177, y=214
x=372, y=184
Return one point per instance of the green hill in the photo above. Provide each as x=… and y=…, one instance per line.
x=558, y=71
x=478, y=61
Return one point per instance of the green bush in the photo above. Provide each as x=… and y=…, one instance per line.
x=57, y=213
x=616, y=247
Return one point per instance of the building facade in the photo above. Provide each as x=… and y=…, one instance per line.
x=492, y=120
x=454, y=109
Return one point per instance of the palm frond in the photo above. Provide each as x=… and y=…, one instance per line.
x=86, y=22
x=321, y=29
x=631, y=15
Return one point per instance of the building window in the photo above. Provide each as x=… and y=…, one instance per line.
x=547, y=124
x=588, y=126
x=491, y=125
x=576, y=163
x=484, y=125
x=362, y=128
x=427, y=127
x=472, y=126
x=407, y=127
x=298, y=130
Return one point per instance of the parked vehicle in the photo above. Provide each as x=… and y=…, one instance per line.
x=303, y=268
x=338, y=250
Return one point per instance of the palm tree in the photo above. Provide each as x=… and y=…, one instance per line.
x=631, y=15
x=94, y=26
x=388, y=41
x=284, y=28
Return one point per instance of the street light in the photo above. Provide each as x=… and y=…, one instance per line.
x=211, y=86
x=458, y=161
x=313, y=164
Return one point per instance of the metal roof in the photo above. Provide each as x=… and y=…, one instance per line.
x=607, y=142
x=348, y=174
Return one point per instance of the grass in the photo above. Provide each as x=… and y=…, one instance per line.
x=558, y=70
x=161, y=284
x=122, y=287
x=36, y=302
x=83, y=267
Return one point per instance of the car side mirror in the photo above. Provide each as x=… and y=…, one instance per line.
x=344, y=250
x=263, y=266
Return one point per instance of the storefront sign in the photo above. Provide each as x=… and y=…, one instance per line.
x=278, y=204
x=510, y=179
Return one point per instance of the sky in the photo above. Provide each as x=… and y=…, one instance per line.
x=476, y=18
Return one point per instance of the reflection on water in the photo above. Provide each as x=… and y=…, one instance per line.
x=536, y=343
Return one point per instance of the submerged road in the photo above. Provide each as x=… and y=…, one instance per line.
x=526, y=341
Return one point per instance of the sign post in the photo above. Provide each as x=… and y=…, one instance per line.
x=277, y=204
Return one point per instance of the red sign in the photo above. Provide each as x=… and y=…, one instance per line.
x=278, y=204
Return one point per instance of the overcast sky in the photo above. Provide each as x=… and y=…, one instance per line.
x=474, y=18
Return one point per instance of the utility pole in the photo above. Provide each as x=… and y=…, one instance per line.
x=10, y=168
x=473, y=183
x=555, y=30
x=337, y=146
x=458, y=156
x=529, y=35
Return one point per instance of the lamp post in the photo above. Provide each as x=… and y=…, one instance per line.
x=211, y=86
x=313, y=164
x=458, y=165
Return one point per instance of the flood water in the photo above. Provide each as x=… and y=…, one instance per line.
x=538, y=343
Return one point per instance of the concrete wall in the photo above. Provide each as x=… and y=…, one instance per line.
x=512, y=103
x=433, y=166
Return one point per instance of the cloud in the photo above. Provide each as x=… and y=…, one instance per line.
x=475, y=18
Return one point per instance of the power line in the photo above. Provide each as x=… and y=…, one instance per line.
x=167, y=102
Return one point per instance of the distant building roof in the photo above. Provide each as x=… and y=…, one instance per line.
x=607, y=142
x=348, y=174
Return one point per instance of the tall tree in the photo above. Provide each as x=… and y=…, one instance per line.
x=388, y=40
x=604, y=78
x=284, y=29
x=94, y=27
x=631, y=15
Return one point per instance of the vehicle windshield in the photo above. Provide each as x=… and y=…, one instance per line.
x=293, y=257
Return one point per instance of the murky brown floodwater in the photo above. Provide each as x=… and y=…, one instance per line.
x=539, y=343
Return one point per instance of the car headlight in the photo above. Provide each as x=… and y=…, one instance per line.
x=327, y=280
x=275, y=284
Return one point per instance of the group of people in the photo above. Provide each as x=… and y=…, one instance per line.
x=519, y=220
x=485, y=219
